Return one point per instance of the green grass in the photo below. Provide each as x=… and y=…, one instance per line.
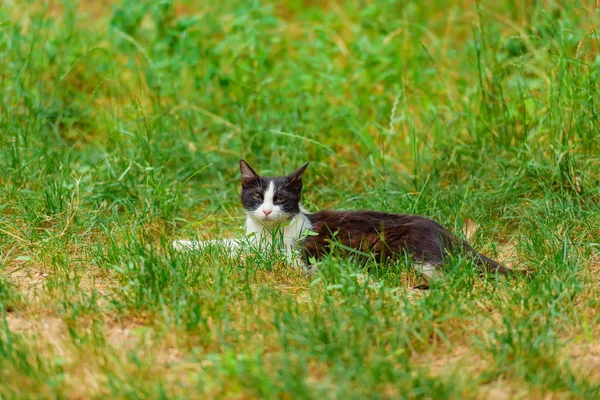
x=121, y=127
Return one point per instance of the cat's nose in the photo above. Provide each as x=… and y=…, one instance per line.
x=267, y=212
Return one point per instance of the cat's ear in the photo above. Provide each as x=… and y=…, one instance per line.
x=248, y=174
x=296, y=176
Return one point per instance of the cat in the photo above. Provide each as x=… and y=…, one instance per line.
x=273, y=210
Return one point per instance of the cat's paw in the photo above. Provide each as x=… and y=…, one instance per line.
x=185, y=245
x=429, y=271
x=202, y=245
x=311, y=269
x=297, y=262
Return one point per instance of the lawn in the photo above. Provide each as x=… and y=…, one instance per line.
x=121, y=127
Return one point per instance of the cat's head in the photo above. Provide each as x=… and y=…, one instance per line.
x=271, y=199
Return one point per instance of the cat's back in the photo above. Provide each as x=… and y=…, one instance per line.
x=379, y=233
x=368, y=221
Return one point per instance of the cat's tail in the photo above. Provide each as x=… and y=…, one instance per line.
x=493, y=267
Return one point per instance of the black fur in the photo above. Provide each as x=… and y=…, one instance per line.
x=387, y=236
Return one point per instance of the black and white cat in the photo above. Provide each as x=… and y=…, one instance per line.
x=274, y=215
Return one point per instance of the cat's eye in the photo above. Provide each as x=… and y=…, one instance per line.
x=279, y=198
x=256, y=196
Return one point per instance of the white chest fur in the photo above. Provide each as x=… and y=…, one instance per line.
x=286, y=234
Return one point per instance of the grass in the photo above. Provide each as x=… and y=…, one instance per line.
x=121, y=127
